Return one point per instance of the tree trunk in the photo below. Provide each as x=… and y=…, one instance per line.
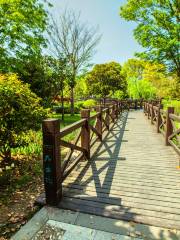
x=104, y=101
x=72, y=101
x=62, y=104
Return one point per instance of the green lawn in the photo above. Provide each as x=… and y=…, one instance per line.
x=68, y=119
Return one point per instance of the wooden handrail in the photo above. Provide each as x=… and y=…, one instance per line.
x=90, y=128
x=166, y=122
x=94, y=116
x=174, y=117
x=65, y=131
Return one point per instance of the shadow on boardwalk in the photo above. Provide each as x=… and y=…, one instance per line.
x=117, y=183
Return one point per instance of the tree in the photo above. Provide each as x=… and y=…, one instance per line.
x=157, y=30
x=19, y=111
x=105, y=79
x=141, y=89
x=133, y=72
x=147, y=80
x=81, y=90
x=22, y=24
x=46, y=77
x=74, y=41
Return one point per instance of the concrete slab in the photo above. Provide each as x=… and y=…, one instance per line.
x=104, y=224
x=64, y=231
x=33, y=226
x=107, y=236
x=61, y=215
x=66, y=225
x=126, y=228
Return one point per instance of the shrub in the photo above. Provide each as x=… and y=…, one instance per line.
x=20, y=111
x=79, y=105
x=172, y=103
x=90, y=103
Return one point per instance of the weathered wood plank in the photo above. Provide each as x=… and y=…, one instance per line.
x=131, y=176
x=119, y=215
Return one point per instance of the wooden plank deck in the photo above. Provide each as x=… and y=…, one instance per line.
x=131, y=176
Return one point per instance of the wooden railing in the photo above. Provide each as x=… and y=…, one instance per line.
x=57, y=163
x=166, y=122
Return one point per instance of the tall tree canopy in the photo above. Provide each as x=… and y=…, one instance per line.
x=105, y=79
x=76, y=42
x=157, y=30
x=22, y=24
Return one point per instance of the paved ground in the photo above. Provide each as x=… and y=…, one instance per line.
x=132, y=176
x=57, y=224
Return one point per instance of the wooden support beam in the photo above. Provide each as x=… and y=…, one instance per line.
x=159, y=119
x=85, y=132
x=152, y=113
x=99, y=122
x=169, y=127
x=52, y=161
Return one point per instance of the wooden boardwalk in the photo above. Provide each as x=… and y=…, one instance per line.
x=131, y=176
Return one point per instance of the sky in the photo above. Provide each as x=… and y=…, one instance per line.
x=117, y=42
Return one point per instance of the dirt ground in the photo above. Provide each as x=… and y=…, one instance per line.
x=17, y=207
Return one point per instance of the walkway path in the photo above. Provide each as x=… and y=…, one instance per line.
x=132, y=176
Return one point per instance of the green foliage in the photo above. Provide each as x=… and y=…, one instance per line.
x=46, y=77
x=89, y=103
x=141, y=89
x=147, y=80
x=133, y=68
x=20, y=111
x=81, y=90
x=33, y=145
x=157, y=29
x=172, y=103
x=22, y=24
x=119, y=94
x=105, y=79
x=138, y=87
x=79, y=104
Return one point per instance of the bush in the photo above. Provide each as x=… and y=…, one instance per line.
x=67, y=108
x=172, y=103
x=90, y=103
x=79, y=105
x=20, y=111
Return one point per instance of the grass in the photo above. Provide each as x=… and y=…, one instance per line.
x=68, y=119
x=34, y=148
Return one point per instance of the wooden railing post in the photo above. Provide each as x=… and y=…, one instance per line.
x=135, y=104
x=141, y=103
x=116, y=111
x=99, y=122
x=148, y=110
x=152, y=113
x=169, y=127
x=52, y=161
x=85, y=132
x=144, y=108
x=120, y=107
x=159, y=120
x=108, y=118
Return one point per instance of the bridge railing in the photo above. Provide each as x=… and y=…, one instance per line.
x=166, y=123
x=57, y=162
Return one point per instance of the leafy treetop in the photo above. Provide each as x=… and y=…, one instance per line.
x=22, y=23
x=105, y=79
x=158, y=29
